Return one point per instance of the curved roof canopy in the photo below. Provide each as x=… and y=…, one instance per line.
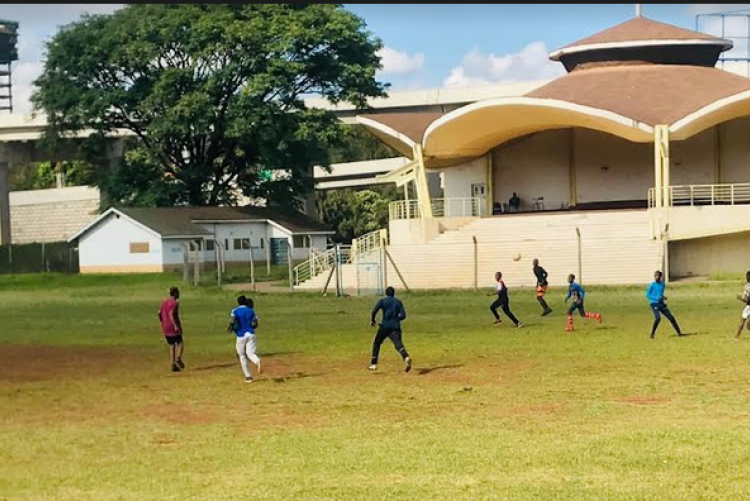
x=622, y=81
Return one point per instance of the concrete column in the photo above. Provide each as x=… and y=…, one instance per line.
x=573, y=187
x=4, y=205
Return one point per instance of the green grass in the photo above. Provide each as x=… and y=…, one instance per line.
x=89, y=410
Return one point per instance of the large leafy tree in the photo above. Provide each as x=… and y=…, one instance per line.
x=213, y=93
x=352, y=213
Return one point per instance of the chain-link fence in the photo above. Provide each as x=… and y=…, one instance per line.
x=58, y=257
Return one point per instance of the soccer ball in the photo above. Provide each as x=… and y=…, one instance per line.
x=517, y=257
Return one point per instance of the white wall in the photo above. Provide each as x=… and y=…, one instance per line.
x=229, y=231
x=610, y=168
x=693, y=161
x=535, y=166
x=457, y=180
x=106, y=247
x=735, y=151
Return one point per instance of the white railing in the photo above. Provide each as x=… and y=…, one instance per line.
x=320, y=262
x=441, y=207
x=367, y=244
x=703, y=194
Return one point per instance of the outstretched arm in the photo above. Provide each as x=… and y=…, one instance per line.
x=375, y=311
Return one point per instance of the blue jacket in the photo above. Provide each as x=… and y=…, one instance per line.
x=575, y=290
x=655, y=292
x=393, y=313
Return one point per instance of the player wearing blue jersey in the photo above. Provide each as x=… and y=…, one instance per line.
x=658, y=302
x=745, y=298
x=390, y=328
x=243, y=323
x=577, y=293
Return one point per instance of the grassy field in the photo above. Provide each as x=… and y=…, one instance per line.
x=90, y=411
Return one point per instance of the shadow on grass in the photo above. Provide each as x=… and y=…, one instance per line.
x=427, y=370
x=233, y=363
x=294, y=376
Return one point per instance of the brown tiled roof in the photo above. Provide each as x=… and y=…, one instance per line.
x=412, y=125
x=652, y=94
x=641, y=29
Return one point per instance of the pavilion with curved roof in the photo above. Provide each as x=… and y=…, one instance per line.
x=642, y=107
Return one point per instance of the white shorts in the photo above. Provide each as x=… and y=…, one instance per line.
x=746, y=312
x=246, y=345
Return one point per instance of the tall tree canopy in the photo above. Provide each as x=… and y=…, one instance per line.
x=213, y=93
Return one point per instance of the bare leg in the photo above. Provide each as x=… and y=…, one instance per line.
x=739, y=330
x=172, y=353
x=180, y=350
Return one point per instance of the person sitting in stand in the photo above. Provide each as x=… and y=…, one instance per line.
x=514, y=204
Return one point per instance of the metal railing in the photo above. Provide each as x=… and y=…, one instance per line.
x=441, y=207
x=367, y=243
x=321, y=261
x=703, y=194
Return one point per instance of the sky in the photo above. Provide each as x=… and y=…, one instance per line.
x=425, y=46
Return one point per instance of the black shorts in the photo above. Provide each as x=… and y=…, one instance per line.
x=171, y=340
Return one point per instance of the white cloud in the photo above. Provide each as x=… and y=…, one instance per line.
x=396, y=62
x=478, y=68
x=24, y=75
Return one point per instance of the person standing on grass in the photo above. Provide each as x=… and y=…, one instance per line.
x=577, y=293
x=502, y=301
x=541, y=287
x=658, y=301
x=390, y=328
x=745, y=298
x=243, y=321
x=169, y=316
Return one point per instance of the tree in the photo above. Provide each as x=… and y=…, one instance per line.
x=212, y=92
x=37, y=176
x=353, y=213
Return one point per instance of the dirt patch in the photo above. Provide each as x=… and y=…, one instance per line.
x=23, y=363
x=180, y=414
x=642, y=400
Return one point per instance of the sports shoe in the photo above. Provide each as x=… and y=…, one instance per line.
x=653, y=336
x=407, y=361
x=248, y=380
x=175, y=368
x=519, y=325
x=373, y=368
x=180, y=363
x=546, y=312
x=598, y=317
x=496, y=322
x=569, y=328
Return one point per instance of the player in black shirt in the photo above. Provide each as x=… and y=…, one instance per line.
x=541, y=287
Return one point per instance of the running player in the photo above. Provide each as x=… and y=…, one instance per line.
x=502, y=301
x=541, y=287
x=577, y=293
x=169, y=316
x=243, y=321
x=745, y=298
x=390, y=328
x=658, y=301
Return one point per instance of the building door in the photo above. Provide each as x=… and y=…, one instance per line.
x=478, y=190
x=279, y=251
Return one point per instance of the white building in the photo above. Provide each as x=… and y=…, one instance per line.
x=155, y=239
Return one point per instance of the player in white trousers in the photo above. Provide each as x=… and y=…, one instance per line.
x=243, y=322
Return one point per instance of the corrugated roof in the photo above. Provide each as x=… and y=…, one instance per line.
x=652, y=94
x=642, y=29
x=180, y=221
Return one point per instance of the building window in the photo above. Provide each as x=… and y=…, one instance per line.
x=196, y=243
x=241, y=244
x=226, y=244
x=209, y=245
x=262, y=243
x=301, y=241
x=140, y=248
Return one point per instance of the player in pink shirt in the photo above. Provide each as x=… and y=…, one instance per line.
x=169, y=316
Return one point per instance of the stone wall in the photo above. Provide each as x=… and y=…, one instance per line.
x=51, y=215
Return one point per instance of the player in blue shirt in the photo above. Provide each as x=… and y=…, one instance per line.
x=577, y=293
x=658, y=301
x=390, y=328
x=243, y=323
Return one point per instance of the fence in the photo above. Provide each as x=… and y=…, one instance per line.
x=441, y=207
x=703, y=194
x=58, y=257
